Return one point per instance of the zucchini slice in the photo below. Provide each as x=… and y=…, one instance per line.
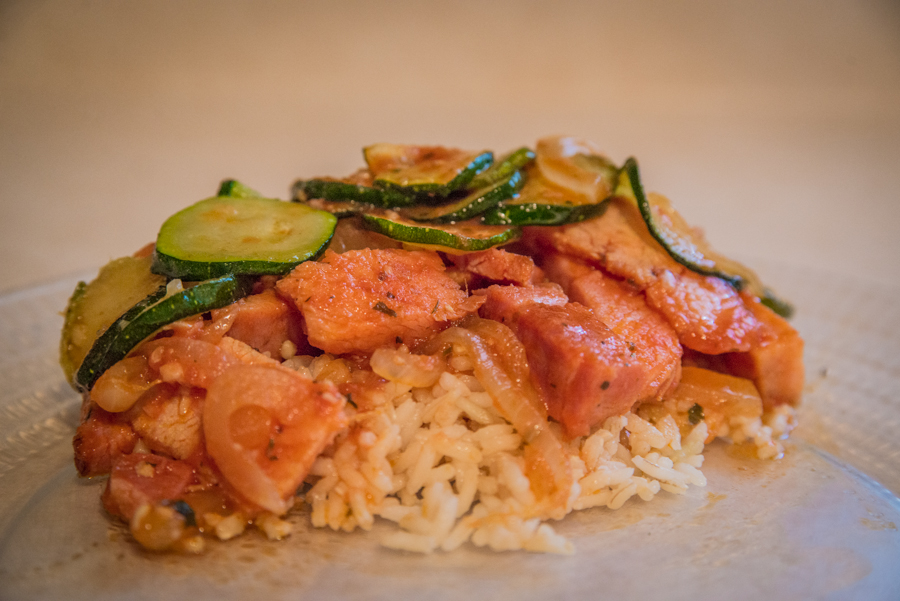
x=337, y=191
x=339, y=208
x=503, y=169
x=466, y=236
x=685, y=246
x=540, y=202
x=433, y=171
x=93, y=307
x=235, y=189
x=469, y=206
x=150, y=314
x=256, y=236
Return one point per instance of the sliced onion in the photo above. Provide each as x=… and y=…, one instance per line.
x=123, y=384
x=502, y=367
x=576, y=165
x=399, y=365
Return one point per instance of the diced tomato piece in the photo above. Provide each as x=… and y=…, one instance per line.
x=143, y=478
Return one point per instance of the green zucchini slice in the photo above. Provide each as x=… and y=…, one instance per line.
x=158, y=309
x=339, y=208
x=338, y=191
x=256, y=236
x=94, y=306
x=430, y=171
x=469, y=206
x=540, y=202
x=466, y=236
x=235, y=189
x=685, y=246
x=503, y=169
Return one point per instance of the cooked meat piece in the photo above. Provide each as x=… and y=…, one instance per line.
x=264, y=321
x=167, y=419
x=708, y=314
x=776, y=364
x=623, y=310
x=505, y=303
x=142, y=478
x=99, y=440
x=584, y=372
x=359, y=301
x=495, y=266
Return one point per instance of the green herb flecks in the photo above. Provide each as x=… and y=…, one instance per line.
x=380, y=306
x=695, y=414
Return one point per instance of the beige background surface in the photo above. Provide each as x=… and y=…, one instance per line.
x=774, y=125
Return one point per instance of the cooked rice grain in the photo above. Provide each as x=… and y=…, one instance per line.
x=444, y=466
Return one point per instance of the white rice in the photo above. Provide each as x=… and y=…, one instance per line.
x=446, y=468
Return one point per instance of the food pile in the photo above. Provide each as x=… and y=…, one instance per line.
x=465, y=346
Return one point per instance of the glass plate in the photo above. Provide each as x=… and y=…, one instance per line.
x=820, y=523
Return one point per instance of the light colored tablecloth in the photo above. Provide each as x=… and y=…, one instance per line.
x=775, y=126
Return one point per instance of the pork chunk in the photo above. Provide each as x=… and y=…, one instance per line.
x=652, y=341
x=143, y=478
x=99, y=440
x=776, y=364
x=495, y=266
x=708, y=314
x=584, y=372
x=264, y=321
x=506, y=303
x=362, y=300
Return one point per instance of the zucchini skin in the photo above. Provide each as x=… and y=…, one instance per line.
x=151, y=314
x=235, y=189
x=472, y=205
x=533, y=213
x=425, y=191
x=65, y=359
x=449, y=238
x=739, y=276
x=504, y=168
x=195, y=271
x=342, y=191
x=237, y=235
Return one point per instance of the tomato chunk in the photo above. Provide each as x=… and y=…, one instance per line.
x=143, y=478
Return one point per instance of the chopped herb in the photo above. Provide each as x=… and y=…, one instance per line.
x=447, y=351
x=438, y=302
x=695, y=414
x=351, y=402
x=380, y=306
x=269, y=455
x=389, y=294
x=307, y=300
x=605, y=385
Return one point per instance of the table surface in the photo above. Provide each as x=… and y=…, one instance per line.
x=774, y=126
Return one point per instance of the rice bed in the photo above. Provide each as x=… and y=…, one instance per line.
x=444, y=466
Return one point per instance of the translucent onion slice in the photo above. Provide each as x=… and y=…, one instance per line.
x=502, y=367
x=576, y=165
x=399, y=365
